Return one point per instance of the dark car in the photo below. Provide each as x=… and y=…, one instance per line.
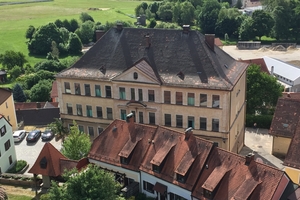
x=33, y=136
x=47, y=135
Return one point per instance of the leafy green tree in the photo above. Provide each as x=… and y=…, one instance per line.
x=42, y=39
x=209, y=16
x=29, y=32
x=15, y=72
x=91, y=183
x=282, y=17
x=153, y=7
x=74, y=25
x=86, y=32
x=11, y=58
x=197, y=3
x=74, y=44
x=152, y=23
x=18, y=93
x=166, y=25
x=54, y=54
x=228, y=22
x=59, y=129
x=262, y=23
x=187, y=13
x=40, y=92
x=86, y=17
x=64, y=34
x=59, y=23
x=49, y=65
x=77, y=145
x=246, y=29
x=263, y=91
x=66, y=24
x=165, y=11
x=295, y=19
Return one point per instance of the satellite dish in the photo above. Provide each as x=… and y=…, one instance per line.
x=259, y=160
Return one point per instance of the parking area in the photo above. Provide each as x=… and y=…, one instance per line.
x=30, y=151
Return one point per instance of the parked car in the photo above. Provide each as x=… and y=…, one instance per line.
x=33, y=136
x=47, y=135
x=19, y=135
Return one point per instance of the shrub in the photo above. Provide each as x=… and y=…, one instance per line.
x=18, y=166
x=262, y=121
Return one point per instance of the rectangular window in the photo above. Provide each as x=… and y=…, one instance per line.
x=191, y=99
x=87, y=89
x=207, y=194
x=99, y=112
x=202, y=123
x=91, y=131
x=97, y=91
x=3, y=130
x=108, y=91
x=191, y=121
x=122, y=93
x=176, y=197
x=109, y=113
x=124, y=160
x=203, y=100
x=133, y=112
x=148, y=187
x=89, y=111
x=79, y=109
x=151, y=118
x=167, y=119
x=77, y=88
x=151, y=96
x=156, y=168
x=81, y=128
x=179, y=98
x=100, y=130
x=140, y=95
x=10, y=160
x=7, y=145
x=69, y=109
x=179, y=121
x=215, y=125
x=67, y=88
x=123, y=114
x=180, y=178
x=132, y=91
x=141, y=117
x=215, y=101
x=167, y=97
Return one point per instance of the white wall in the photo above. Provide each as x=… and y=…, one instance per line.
x=4, y=158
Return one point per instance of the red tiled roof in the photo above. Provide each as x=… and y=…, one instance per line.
x=260, y=62
x=218, y=42
x=52, y=157
x=295, y=195
x=4, y=95
x=34, y=105
x=285, y=118
x=292, y=95
x=54, y=92
x=292, y=158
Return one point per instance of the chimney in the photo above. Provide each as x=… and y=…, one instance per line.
x=148, y=41
x=130, y=121
x=186, y=29
x=272, y=70
x=188, y=133
x=99, y=34
x=38, y=105
x=119, y=26
x=249, y=158
x=210, y=41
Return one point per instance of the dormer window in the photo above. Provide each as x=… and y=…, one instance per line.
x=135, y=76
x=156, y=168
x=124, y=160
x=181, y=178
x=207, y=194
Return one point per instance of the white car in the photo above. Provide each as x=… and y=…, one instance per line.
x=19, y=135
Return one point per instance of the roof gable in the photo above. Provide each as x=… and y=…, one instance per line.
x=292, y=158
x=4, y=95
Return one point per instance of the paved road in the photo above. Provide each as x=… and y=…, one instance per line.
x=30, y=151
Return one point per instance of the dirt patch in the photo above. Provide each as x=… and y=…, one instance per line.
x=19, y=190
x=95, y=9
x=263, y=49
x=279, y=48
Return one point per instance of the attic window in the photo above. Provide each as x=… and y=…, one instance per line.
x=285, y=125
x=124, y=160
x=156, y=168
x=135, y=76
x=207, y=194
x=43, y=163
x=180, y=75
x=181, y=178
x=226, y=66
x=102, y=69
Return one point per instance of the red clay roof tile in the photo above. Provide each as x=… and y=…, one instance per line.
x=292, y=158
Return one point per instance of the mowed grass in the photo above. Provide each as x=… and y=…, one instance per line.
x=15, y=19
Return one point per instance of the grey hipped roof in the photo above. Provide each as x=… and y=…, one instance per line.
x=171, y=52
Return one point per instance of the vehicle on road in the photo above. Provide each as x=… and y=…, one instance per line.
x=19, y=135
x=47, y=135
x=33, y=136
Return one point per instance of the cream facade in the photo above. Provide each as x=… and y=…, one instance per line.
x=280, y=146
x=93, y=104
x=7, y=109
x=293, y=173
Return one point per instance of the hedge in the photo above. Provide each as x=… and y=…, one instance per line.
x=18, y=166
x=262, y=121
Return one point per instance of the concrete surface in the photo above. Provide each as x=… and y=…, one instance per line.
x=259, y=142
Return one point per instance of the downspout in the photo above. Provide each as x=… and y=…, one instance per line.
x=229, y=120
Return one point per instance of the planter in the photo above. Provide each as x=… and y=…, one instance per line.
x=24, y=169
x=24, y=183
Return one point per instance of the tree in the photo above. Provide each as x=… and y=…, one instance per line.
x=59, y=129
x=18, y=93
x=42, y=39
x=228, y=22
x=50, y=66
x=59, y=23
x=40, y=92
x=85, y=17
x=11, y=58
x=153, y=7
x=281, y=16
x=77, y=145
x=209, y=16
x=86, y=32
x=29, y=33
x=246, y=30
x=74, y=44
x=54, y=54
x=262, y=23
x=152, y=23
x=15, y=72
x=263, y=91
x=187, y=13
x=239, y=4
x=64, y=34
x=165, y=11
x=91, y=183
x=74, y=25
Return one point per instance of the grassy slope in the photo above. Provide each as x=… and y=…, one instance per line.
x=15, y=19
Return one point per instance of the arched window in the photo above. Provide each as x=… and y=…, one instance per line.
x=135, y=75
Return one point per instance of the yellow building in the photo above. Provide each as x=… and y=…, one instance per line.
x=174, y=78
x=7, y=107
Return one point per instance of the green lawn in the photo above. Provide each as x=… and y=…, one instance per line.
x=19, y=197
x=15, y=19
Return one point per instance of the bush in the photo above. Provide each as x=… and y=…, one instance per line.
x=18, y=166
x=262, y=121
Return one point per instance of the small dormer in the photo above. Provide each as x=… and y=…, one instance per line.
x=156, y=168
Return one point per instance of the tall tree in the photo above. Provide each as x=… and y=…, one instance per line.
x=59, y=129
x=91, y=183
x=262, y=23
x=187, y=13
x=86, y=32
x=209, y=16
x=74, y=44
x=77, y=145
x=86, y=17
x=246, y=30
x=18, y=93
x=11, y=58
x=263, y=91
x=165, y=11
x=73, y=25
x=282, y=17
x=40, y=92
x=29, y=33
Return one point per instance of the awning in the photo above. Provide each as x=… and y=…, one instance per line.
x=158, y=187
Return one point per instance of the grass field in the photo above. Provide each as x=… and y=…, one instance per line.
x=15, y=19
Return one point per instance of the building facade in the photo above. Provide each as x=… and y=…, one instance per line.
x=7, y=107
x=7, y=147
x=174, y=78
